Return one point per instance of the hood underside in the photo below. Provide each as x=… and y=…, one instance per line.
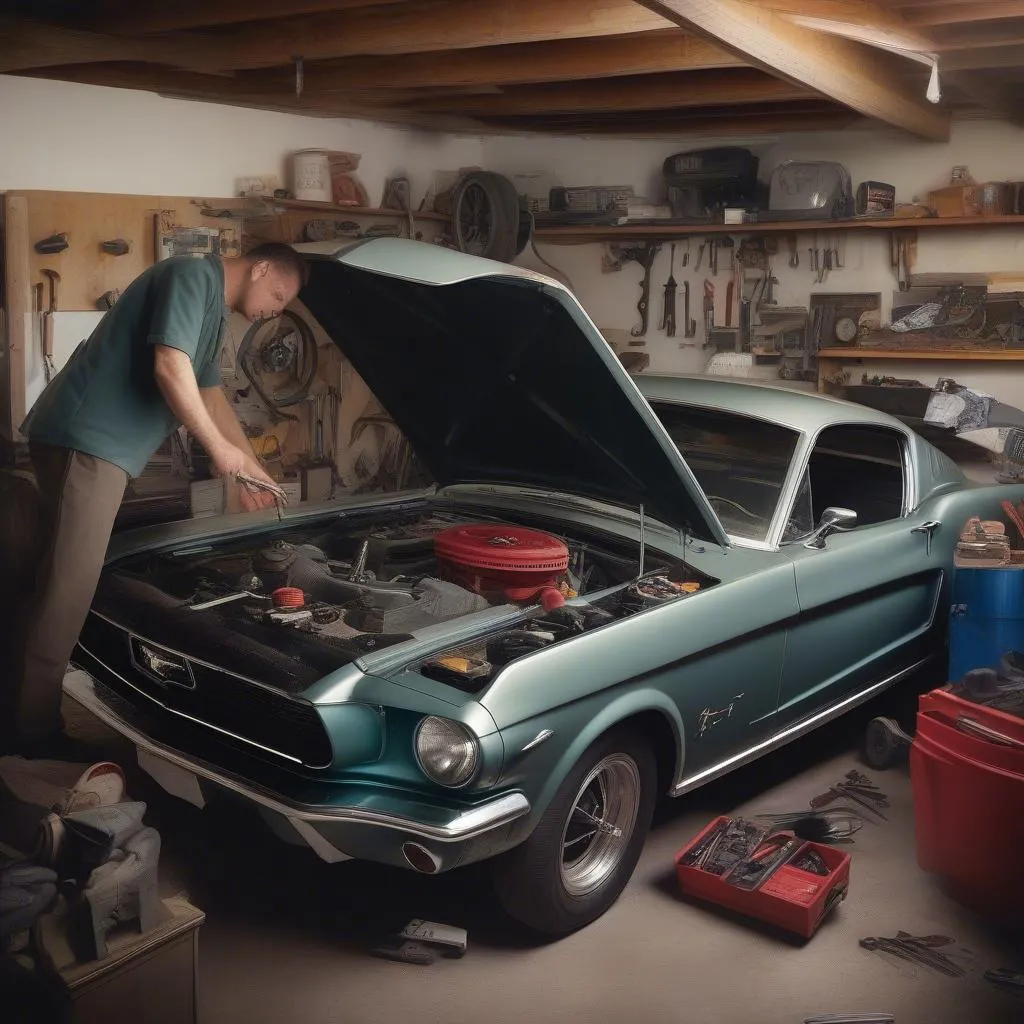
x=497, y=376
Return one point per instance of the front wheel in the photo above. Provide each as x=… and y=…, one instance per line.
x=584, y=849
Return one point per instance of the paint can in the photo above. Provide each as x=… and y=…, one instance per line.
x=311, y=175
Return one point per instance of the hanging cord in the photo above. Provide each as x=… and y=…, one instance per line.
x=563, y=277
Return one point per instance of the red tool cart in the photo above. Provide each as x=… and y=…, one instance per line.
x=790, y=897
x=967, y=770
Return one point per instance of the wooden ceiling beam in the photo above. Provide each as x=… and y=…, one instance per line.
x=990, y=95
x=848, y=72
x=390, y=29
x=926, y=15
x=195, y=85
x=132, y=18
x=420, y=28
x=28, y=44
x=974, y=37
x=982, y=58
x=647, y=92
x=716, y=125
x=559, y=60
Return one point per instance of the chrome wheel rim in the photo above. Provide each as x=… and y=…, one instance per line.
x=598, y=828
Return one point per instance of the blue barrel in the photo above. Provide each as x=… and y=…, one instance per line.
x=986, y=618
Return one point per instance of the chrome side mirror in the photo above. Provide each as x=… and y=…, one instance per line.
x=832, y=519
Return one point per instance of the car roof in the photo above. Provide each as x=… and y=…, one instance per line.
x=800, y=410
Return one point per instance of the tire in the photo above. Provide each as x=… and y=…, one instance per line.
x=538, y=885
x=485, y=216
x=884, y=743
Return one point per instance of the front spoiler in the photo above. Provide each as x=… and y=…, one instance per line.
x=334, y=832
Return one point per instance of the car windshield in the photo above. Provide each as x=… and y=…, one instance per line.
x=740, y=463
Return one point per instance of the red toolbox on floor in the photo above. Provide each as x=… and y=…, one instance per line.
x=790, y=898
x=967, y=770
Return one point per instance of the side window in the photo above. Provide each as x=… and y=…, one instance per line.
x=860, y=468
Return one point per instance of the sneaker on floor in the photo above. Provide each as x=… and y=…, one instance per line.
x=101, y=784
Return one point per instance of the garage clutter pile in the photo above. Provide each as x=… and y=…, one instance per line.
x=76, y=862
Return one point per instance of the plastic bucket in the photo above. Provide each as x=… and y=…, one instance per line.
x=311, y=175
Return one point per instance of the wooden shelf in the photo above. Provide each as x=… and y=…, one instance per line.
x=358, y=211
x=581, y=234
x=237, y=202
x=1007, y=355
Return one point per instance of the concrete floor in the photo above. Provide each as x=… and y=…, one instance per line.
x=286, y=934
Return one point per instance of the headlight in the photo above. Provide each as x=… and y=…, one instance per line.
x=446, y=751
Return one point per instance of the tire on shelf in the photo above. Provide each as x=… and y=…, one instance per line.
x=486, y=216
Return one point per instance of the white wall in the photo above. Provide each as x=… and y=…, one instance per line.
x=86, y=138
x=993, y=151
x=82, y=138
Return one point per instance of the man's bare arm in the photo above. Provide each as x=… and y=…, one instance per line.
x=176, y=379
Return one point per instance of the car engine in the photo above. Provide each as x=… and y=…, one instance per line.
x=310, y=599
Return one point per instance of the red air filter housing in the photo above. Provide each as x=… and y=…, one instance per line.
x=503, y=562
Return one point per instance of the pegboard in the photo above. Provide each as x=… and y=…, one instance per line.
x=91, y=218
x=85, y=272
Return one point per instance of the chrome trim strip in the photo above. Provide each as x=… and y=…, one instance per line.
x=465, y=825
x=792, y=733
x=541, y=737
x=196, y=721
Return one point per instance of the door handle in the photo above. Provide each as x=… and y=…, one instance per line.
x=927, y=529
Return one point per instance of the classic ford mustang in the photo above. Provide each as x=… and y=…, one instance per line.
x=616, y=589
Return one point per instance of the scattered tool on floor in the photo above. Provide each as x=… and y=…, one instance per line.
x=921, y=950
x=419, y=940
x=668, y=312
x=867, y=1017
x=858, y=788
x=1007, y=980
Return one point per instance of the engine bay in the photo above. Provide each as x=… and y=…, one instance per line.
x=286, y=607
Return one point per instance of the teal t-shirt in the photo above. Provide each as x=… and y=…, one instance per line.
x=105, y=401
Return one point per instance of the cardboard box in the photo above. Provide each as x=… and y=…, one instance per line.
x=206, y=498
x=994, y=198
x=150, y=977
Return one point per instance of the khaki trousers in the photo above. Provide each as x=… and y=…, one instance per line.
x=79, y=496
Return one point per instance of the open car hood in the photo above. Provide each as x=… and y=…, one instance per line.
x=496, y=375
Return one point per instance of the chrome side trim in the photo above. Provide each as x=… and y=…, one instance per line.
x=466, y=825
x=792, y=733
x=190, y=718
x=541, y=737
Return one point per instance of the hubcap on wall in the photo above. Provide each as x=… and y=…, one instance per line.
x=600, y=823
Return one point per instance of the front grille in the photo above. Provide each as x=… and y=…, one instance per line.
x=274, y=721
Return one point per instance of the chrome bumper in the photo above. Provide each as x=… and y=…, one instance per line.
x=315, y=825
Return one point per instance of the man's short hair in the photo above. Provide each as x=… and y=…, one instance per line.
x=283, y=257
